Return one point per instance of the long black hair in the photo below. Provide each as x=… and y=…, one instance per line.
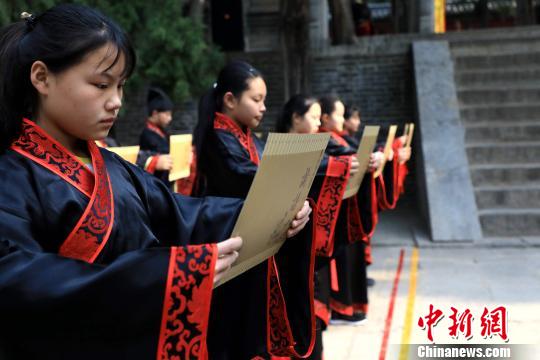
x=328, y=104
x=60, y=37
x=297, y=104
x=350, y=110
x=234, y=78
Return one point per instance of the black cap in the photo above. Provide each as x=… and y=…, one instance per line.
x=158, y=100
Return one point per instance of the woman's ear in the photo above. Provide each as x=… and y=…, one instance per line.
x=40, y=77
x=296, y=119
x=229, y=101
x=324, y=119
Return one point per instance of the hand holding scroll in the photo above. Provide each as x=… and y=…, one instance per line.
x=375, y=160
x=164, y=162
x=354, y=165
x=404, y=154
x=300, y=220
x=227, y=255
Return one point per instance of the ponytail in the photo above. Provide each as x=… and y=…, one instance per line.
x=232, y=78
x=13, y=106
x=204, y=128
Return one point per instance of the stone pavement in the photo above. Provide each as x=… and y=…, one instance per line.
x=487, y=274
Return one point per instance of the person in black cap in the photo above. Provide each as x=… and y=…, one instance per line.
x=154, y=156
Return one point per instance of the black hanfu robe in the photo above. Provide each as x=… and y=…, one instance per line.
x=268, y=310
x=102, y=263
x=154, y=141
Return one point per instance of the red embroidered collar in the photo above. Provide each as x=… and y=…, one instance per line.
x=153, y=127
x=92, y=231
x=225, y=123
x=336, y=136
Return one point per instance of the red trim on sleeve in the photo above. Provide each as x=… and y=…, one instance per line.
x=355, y=230
x=329, y=203
x=151, y=167
x=280, y=343
x=185, y=186
x=186, y=304
x=279, y=333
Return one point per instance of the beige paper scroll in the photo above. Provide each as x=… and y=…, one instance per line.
x=369, y=138
x=180, y=147
x=128, y=153
x=406, y=130
x=410, y=135
x=278, y=192
x=387, y=149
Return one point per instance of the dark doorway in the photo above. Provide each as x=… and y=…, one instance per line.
x=227, y=24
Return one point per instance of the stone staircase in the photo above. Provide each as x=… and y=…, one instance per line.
x=498, y=84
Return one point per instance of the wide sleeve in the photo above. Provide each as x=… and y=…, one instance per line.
x=138, y=306
x=179, y=220
x=328, y=202
x=235, y=156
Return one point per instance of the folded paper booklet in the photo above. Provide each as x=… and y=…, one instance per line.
x=369, y=138
x=278, y=192
x=128, y=153
x=180, y=147
x=387, y=149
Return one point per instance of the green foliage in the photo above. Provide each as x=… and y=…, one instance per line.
x=171, y=48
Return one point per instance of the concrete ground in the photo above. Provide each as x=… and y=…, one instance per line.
x=486, y=274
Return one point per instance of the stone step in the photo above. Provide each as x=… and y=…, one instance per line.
x=505, y=197
x=498, y=95
x=496, y=61
x=518, y=131
x=526, y=76
x=503, y=153
x=510, y=112
x=505, y=174
x=495, y=47
x=510, y=222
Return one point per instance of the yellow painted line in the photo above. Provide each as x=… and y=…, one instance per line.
x=406, y=336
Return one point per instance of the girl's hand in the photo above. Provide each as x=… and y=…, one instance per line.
x=300, y=220
x=354, y=165
x=375, y=160
x=227, y=255
x=390, y=155
x=404, y=154
x=403, y=140
x=164, y=162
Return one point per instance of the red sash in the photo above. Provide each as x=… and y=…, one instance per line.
x=225, y=123
x=93, y=229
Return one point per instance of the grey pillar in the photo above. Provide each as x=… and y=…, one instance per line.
x=444, y=171
x=426, y=16
x=318, y=27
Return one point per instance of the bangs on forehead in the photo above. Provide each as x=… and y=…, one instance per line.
x=114, y=50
